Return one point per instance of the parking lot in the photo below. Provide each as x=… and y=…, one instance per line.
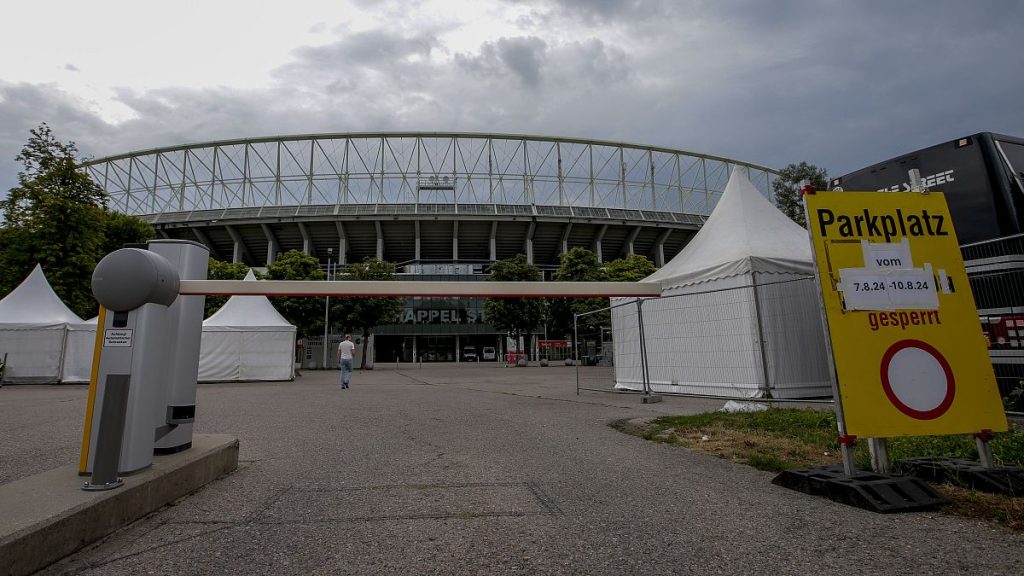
x=477, y=469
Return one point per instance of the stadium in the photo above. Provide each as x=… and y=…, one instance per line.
x=441, y=206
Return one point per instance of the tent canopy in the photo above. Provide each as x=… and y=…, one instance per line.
x=34, y=302
x=250, y=312
x=33, y=329
x=744, y=234
x=721, y=328
x=247, y=339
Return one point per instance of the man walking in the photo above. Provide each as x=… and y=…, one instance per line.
x=345, y=350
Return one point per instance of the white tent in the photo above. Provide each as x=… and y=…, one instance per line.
x=247, y=339
x=33, y=327
x=742, y=319
x=79, y=346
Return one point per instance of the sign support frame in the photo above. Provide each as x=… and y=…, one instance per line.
x=846, y=442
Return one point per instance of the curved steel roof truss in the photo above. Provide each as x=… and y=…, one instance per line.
x=416, y=168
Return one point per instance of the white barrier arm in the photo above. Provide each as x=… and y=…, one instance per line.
x=468, y=289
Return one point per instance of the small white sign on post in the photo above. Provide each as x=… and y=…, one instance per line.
x=117, y=338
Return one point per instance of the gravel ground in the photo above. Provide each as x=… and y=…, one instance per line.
x=478, y=470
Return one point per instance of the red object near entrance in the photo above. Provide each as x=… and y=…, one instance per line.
x=553, y=343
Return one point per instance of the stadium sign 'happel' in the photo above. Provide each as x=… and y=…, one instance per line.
x=910, y=356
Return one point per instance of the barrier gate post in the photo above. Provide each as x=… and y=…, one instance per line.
x=143, y=391
x=176, y=414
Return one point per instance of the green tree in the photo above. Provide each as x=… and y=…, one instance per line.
x=787, y=188
x=49, y=175
x=366, y=313
x=516, y=316
x=223, y=271
x=307, y=314
x=56, y=216
x=632, y=268
x=121, y=229
x=577, y=265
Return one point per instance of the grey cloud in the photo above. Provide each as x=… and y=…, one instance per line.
x=366, y=49
x=603, y=11
x=524, y=57
x=357, y=62
x=834, y=83
x=594, y=61
x=25, y=106
x=71, y=67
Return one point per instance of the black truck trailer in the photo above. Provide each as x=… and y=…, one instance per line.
x=981, y=176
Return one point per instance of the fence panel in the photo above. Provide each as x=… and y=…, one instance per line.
x=744, y=337
x=704, y=343
x=598, y=351
x=999, y=296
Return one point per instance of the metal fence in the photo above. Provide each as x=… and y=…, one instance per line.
x=597, y=346
x=746, y=337
x=999, y=295
x=758, y=338
x=310, y=352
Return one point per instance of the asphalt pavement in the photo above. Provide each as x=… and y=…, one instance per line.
x=471, y=469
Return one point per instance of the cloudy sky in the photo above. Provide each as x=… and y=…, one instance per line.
x=837, y=83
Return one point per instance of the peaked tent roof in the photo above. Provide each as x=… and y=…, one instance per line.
x=247, y=311
x=86, y=325
x=745, y=233
x=35, y=302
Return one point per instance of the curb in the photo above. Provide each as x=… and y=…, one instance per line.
x=46, y=517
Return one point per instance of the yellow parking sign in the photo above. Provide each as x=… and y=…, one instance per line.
x=909, y=353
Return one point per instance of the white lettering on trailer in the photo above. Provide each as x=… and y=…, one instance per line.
x=927, y=182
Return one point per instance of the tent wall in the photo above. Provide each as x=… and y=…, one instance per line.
x=245, y=354
x=702, y=339
x=267, y=356
x=219, y=356
x=78, y=351
x=705, y=339
x=626, y=344
x=794, y=337
x=34, y=353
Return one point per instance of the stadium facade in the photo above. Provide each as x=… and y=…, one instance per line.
x=438, y=205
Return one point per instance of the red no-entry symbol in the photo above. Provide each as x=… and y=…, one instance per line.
x=917, y=379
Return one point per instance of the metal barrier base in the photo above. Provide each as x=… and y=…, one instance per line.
x=651, y=399
x=867, y=490
x=966, y=473
x=90, y=487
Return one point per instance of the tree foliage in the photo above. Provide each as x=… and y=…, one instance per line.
x=49, y=176
x=366, y=313
x=515, y=316
x=577, y=265
x=56, y=216
x=307, y=314
x=223, y=271
x=632, y=268
x=787, y=188
x=121, y=229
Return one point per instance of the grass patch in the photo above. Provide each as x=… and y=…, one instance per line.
x=783, y=438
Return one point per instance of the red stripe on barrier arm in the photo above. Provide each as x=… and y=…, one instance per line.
x=366, y=289
x=432, y=294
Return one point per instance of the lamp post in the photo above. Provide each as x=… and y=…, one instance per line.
x=327, y=305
